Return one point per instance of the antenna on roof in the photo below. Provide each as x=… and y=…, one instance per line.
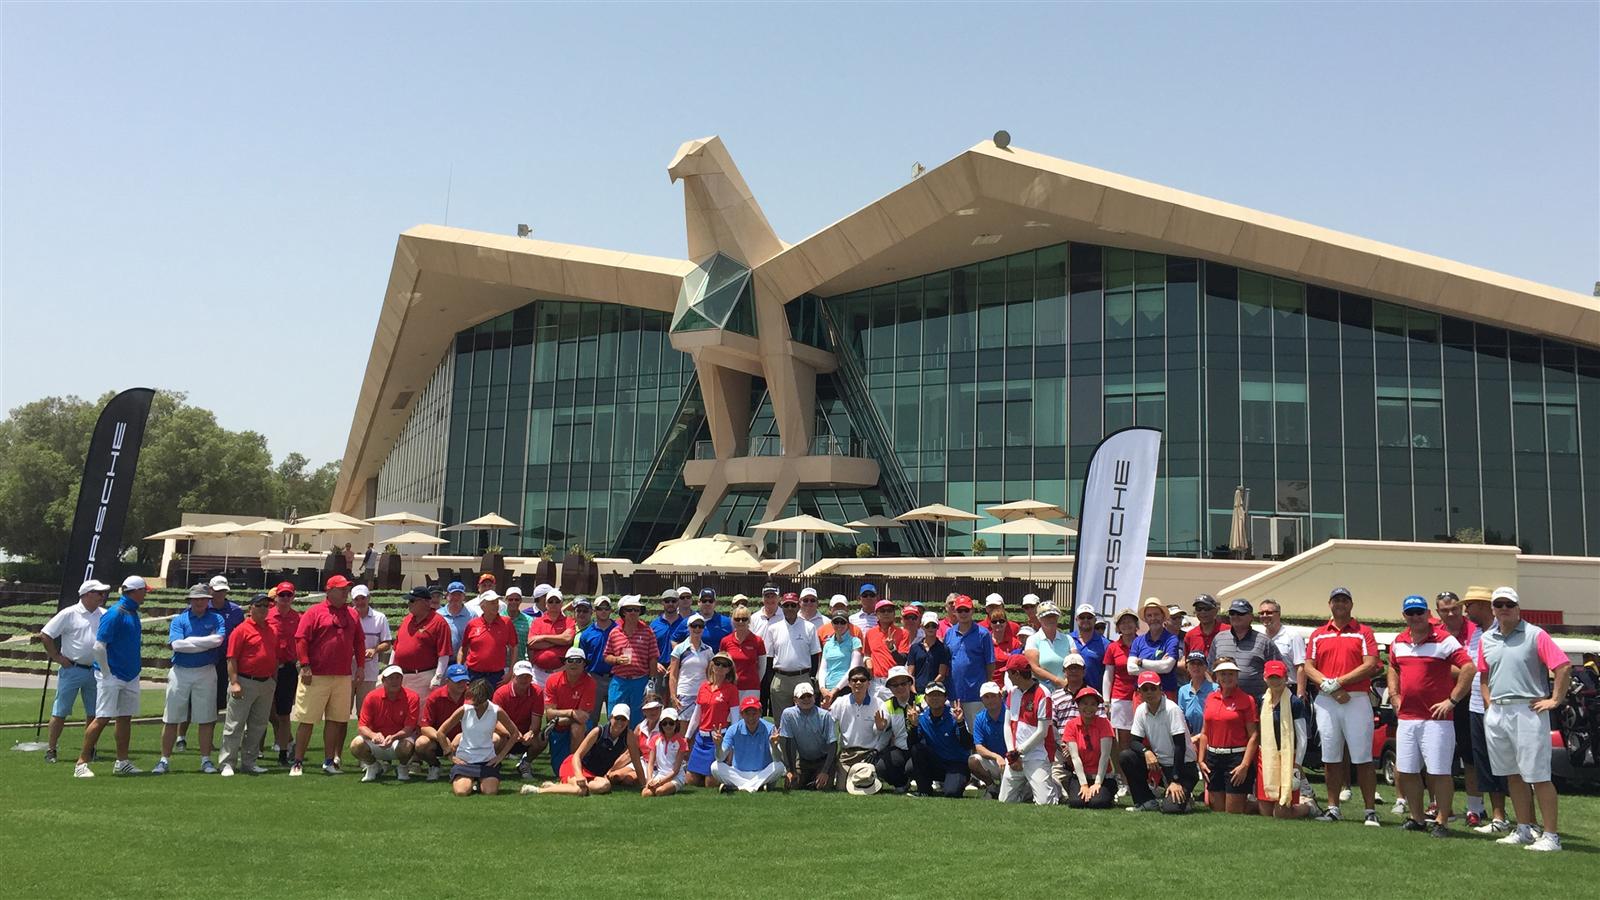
x=917, y=169
x=1002, y=139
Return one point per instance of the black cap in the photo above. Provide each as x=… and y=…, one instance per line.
x=770, y=588
x=419, y=593
x=260, y=598
x=708, y=593
x=436, y=591
x=1240, y=605
x=1205, y=601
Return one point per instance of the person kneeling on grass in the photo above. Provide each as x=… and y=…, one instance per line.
x=988, y=757
x=482, y=744
x=809, y=741
x=1283, y=746
x=600, y=751
x=942, y=746
x=1088, y=738
x=1227, y=745
x=665, y=756
x=386, y=728
x=1160, y=742
x=748, y=761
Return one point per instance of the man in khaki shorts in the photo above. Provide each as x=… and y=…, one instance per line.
x=331, y=648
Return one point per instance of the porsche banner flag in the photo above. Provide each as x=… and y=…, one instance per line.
x=106, y=489
x=1114, y=520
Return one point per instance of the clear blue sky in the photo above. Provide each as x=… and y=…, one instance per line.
x=205, y=198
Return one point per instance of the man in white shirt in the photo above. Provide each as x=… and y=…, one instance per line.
x=809, y=611
x=375, y=628
x=1160, y=741
x=69, y=642
x=1291, y=647
x=866, y=618
x=856, y=713
x=792, y=643
x=768, y=613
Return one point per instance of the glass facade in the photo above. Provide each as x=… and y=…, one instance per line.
x=558, y=411
x=412, y=478
x=1342, y=415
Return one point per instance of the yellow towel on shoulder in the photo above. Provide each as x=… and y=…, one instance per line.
x=1277, y=749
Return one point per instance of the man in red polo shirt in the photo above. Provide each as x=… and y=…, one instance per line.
x=285, y=622
x=488, y=642
x=882, y=645
x=1341, y=658
x=569, y=704
x=1429, y=673
x=422, y=645
x=523, y=701
x=387, y=726
x=442, y=702
x=252, y=668
x=549, y=637
x=331, y=648
x=1200, y=637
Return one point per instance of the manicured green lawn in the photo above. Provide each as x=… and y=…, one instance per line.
x=186, y=834
x=22, y=705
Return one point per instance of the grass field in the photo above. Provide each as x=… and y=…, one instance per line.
x=21, y=705
x=185, y=834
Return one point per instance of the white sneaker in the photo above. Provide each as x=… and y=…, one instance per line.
x=81, y=770
x=433, y=773
x=332, y=768
x=1546, y=843
x=125, y=767
x=374, y=770
x=402, y=773
x=227, y=770
x=1493, y=826
x=160, y=768
x=1400, y=807
x=295, y=769
x=1122, y=791
x=1522, y=835
x=529, y=789
x=1344, y=795
x=181, y=745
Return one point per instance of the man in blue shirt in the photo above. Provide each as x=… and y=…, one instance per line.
x=592, y=640
x=971, y=657
x=988, y=758
x=670, y=629
x=942, y=746
x=1090, y=644
x=748, y=762
x=232, y=617
x=1157, y=650
x=117, y=664
x=456, y=613
x=196, y=636
x=718, y=625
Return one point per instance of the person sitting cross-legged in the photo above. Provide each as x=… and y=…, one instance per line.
x=748, y=761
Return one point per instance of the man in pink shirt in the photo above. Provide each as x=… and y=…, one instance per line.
x=332, y=649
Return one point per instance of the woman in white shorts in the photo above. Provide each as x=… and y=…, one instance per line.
x=665, y=755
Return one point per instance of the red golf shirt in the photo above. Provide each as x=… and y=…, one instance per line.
x=438, y=707
x=391, y=715
x=330, y=640
x=745, y=653
x=1196, y=638
x=418, y=648
x=715, y=705
x=645, y=651
x=1087, y=734
x=880, y=648
x=1116, y=660
x=486, y=643
x=520, y=707
x=1336, y=651
x=1424, y=667
x=577, y=694
x=548, y=658
x=255, y=648
x=285, y=626
x=1226, y=719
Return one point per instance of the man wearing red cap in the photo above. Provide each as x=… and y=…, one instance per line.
x=885, y=645
x=749, y=760
x=1030, y=741
x=971, y=658
x=331, y=648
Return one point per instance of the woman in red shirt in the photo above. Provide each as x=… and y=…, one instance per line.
x=1091, y=782
x=713, y=710
x=1118, y=685
x=747, y=650
x=1227, y=745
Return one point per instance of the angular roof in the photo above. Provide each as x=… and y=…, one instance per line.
x=984, y=203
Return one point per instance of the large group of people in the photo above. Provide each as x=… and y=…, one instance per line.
x=784, y=692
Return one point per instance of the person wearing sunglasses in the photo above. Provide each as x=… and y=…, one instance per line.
x=1518, y=660
x=1428, y=673
x=1341, y=658
x=687, y=670
x=713, y=710
x=569, y=704
x=1453, y=619
x=1249, y=649
x=1160, y=741
x=749, y=654
x=856, y=715
x=1476, y=602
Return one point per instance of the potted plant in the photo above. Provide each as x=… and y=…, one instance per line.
x=494, y=563
x=979, y=545
x=579, y=574
x=389, y=574
x=545, y=571
x=863, y=551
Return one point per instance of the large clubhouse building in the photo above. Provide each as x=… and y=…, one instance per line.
x=968, y=339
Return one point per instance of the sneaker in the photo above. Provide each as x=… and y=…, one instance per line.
x=402, y=773
x=295, y=769
x=1439, y=831
x=50, y=755
x=277, y=749
x=1151, y=805
x=332, y=768
x=1522, y=835
x=433, y=773
x=81, y=770
x=1494, y=826
x=524, y=769
x=1400, y=807
x=1474, y=819
x=1371, y=820
x=227, y=770
x=125, y=767
x=1545, y=843
x=283, y=757
x=181, y=745
x=373, y=772
x=1344, y=795
x=725, y=789
x=1413, y=825
x=161, y=767
x=1331, y=814
x=254, y=770
x=529, y=789
x=1122, y=791
x=207, y=767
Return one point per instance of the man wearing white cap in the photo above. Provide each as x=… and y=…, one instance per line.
x=379, y=640
x=387, y=728
x=809, y=611
x=232, y=615
x=1517, y=660
x=988, y=759
x=808, y=742
x=69, y=642
x=631, y=649
x=523, y=702
x=1030, y=608
x=549, y=636
x=117, y=662
x=570, y=704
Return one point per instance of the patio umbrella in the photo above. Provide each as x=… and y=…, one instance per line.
x=336, y=517
x=801, y=525
x=403, y=518
x=1031, y=528
x=938, y=512
x=316, y=526
x=719, y=551
x=1026, y=509
x=877, y=523
x=416, y=537
x=265, y=528
x=1238, y=530
x=220, y=529
x=491, y=522
x=178, y=533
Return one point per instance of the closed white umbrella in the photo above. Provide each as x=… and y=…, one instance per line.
x=1238, y=531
